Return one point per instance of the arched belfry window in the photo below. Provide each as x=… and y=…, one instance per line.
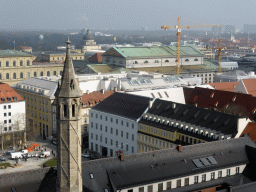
x=74, y=108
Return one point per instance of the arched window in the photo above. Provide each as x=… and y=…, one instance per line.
x=145, y=61
x=166, y=61
x=21, y=75
x=21, y=63
x=28, y=75
x=186, y=60
x=42, y=73
x=196, y=60
x=14, y=63
x=28, y=62
x=60, y=72
x=48, y=73
x=34, y=74
x=14, y=75
x=156, y=61
x=135, y=62
x=54, y=73
x=7, y=75
x=7, y=63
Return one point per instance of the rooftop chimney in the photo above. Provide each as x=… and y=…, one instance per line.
x=115, y=89
x=87, y=91
x=179, y=148
x=102, y=91
x=150, y=103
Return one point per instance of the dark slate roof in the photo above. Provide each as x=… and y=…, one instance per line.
x=145, y=168
x=214, y=120
x=28, y=181
x=122, y=104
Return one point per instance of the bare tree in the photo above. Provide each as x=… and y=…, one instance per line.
x=2, y=135
x=19, y=127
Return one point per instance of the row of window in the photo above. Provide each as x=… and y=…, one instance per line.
x=41, y=107
x=7, y=64
x=155, y=131
x=186, y=181
x=9, y=114
x=9, y=121
x=8, y=128
x=157, y=61
x=190, y=140
x=154, y=141
x=62, y=58
x=5, y=107
x=34, y=98
x=121, y=146
x=111, y=132
x=14, y=76
x=111, y=120
x=34, y=113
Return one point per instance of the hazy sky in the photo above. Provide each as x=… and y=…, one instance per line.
x=122, y=14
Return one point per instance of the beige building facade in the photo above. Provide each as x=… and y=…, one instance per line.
x=16, y=66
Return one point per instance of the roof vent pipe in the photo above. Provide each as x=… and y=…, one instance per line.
x=173, y=105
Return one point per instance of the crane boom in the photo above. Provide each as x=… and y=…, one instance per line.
x=179, y=27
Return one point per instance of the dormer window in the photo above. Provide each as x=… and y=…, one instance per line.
x=9, y=98
x=166, y=61
x=15, y=98
x=196, y=60
x=212, y=95
x=3, y=99
x=234, y=98
x=186, y=60
x=135, y=62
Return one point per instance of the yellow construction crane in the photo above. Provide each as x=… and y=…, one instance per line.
x=178, y=27
x=219, y=56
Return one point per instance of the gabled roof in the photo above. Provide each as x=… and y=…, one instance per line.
x=210, y=119
x=122, y=104
x=96, y=57
x=8, y=94
x=161, y=165
x=224, y=86
x=91, y=99
x=250, y=85
x=154, y=51
x=222, y=100
x=250, y=130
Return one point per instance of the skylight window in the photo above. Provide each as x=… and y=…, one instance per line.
x=91, y=176
x=147, y=81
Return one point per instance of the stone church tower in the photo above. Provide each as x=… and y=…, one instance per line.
x=69, y=99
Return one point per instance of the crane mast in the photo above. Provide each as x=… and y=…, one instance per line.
x=219, y=56
x=178, y=27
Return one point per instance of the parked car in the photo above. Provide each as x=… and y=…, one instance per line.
x=8, y=153
x=2, y=158
x=85, y=155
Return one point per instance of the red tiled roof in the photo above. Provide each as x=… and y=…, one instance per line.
x=8, y=94
x=225, y=86
x=96, y=57
x=210, y=99
x=91, y=99
x=250, y=85
x=250, y=130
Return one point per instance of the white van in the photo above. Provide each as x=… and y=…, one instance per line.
x=16, y=155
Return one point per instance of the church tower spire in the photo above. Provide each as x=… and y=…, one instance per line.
x=69, y=99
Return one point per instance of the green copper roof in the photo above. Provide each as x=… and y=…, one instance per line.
x=154, y=51
x=14, y=53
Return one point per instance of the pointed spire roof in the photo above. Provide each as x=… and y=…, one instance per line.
x=69, y=86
